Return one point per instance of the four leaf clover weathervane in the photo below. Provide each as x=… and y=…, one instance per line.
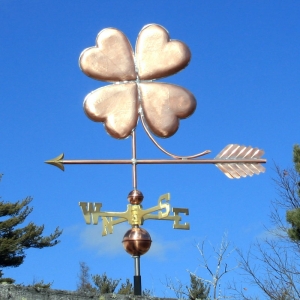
x=135, y=95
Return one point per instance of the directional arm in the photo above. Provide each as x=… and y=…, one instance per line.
x=134, y=214
x=159, y=207
x=176, y=218
x=92, y=211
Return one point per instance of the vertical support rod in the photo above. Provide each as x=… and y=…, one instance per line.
x=134, y=171
x=137, y=282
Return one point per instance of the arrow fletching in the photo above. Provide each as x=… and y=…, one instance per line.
x=240, y=161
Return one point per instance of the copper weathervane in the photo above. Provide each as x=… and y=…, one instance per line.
x=134, y=95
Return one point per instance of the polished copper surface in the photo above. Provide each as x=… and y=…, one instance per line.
x=157, y=56
x=116, y=106
x=137, y=241
x=159, y=105
x=163, y=105
x=223, y=163
x=134, y=169
x=135, y=197
x=156, y=161
x=111, y=59
x=236, y=152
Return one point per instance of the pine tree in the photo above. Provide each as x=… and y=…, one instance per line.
x=126, y=288
x=297, y=158
x=104, y=284
x=84, y=284
x=14, y=240
x=272, y=265
x=198, y=289
x=293, y=216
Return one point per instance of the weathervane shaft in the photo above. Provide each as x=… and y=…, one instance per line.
x=134, y=168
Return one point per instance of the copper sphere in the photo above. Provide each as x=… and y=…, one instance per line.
x=135, y=197
x=137, y=241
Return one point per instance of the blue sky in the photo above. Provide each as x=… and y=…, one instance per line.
x=244, y=74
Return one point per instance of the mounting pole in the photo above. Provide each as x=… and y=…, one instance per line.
x=137, y=281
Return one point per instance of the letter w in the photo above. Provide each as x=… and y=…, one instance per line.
x=90, y=210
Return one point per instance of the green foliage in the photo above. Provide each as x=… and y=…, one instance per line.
x=296, y=158
x=147, y=293
x=198, y=289
x=104, y=284
x=278, y=258
x=84, y=284
x=14, y=240
x=126, y=288
x=7, y=280
x=41, y=285
x=293, y=217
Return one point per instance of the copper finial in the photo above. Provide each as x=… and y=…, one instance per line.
x=137, y=241
x=135, y=197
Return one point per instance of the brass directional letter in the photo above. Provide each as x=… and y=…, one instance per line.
x=177, y=218
x=89, y=209
x=107, y=225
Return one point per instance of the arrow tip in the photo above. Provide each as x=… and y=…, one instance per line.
x=57, y=162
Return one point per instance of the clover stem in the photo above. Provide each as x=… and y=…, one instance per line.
x=165, y=151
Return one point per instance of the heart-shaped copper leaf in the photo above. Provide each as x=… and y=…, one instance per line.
x=164, y=104
x=116, y=106
x=111, y=59
x=157, y=56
